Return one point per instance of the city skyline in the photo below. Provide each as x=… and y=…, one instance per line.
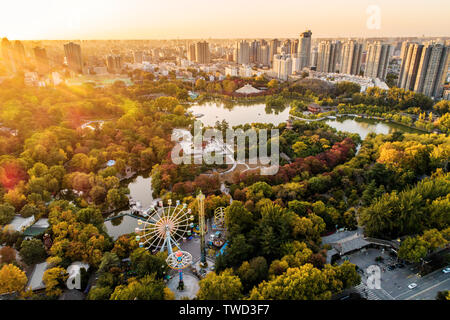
x=199, y=19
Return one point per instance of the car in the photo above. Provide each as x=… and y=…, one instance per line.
x=446, y=270
x=412, y=285
x=400, y=265
x=391, y=267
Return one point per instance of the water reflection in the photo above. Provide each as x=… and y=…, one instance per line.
x=365, y=126
x=240, y=114
x=141, y=191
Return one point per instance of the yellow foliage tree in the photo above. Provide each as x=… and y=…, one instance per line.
x=12, y=279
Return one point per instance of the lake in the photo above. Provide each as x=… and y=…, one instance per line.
x=140, y=190
x=239, y=114
x=365, y=126
x=258, y=112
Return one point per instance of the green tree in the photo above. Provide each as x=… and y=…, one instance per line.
x=7, y=212
x=109, y=260
x=99, y=293
x=413, y=249
x=146, y=288
x=32, y=251
x=225, y=286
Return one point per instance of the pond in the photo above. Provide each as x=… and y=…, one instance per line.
x=141, y=190
x=239, y=114
x=252, y=113
x=121, y=225
x=365, y=126
x=125, y=223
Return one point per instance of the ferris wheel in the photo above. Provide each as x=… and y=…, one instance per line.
x=219, y=218
x=165, y=226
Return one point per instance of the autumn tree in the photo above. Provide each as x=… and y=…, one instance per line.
x=12, y=279
x=54, y=280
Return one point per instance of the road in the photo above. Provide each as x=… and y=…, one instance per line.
x=427, y=287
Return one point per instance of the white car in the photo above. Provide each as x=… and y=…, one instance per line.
x=446, y=270
x=412, y=285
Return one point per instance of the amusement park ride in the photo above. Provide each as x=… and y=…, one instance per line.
x=163, y=230
x=166, y=226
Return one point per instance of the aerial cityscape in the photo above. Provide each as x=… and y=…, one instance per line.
x=193, y=157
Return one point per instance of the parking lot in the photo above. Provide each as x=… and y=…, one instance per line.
x=394, y=282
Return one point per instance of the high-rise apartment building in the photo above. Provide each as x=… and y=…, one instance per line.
x=73, y=57
x=304, y=49
x=351, y=57
x=411, y=54
x=274, y=44
x=42, y=63
x=328, y=56
x=138, y=56
x=432, y=70
x=8, y=55
x=242, y=52
x=19, y=53
x=294, y=46
x=114, y=63
x=378, y=55
x=282, y=66
x=202, y=54
x=191, y=52
x=255, y=51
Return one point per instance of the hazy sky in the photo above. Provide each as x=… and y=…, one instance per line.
x=161, y=19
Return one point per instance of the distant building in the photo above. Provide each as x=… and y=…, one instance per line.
x=378, y=55
x=351, y=57
x=138, y=56
x=202, y=54
x=73, y=56
x=304, y=49
x=114, y=63
x=328, y=56
x=314, y=108
x=231, y=71
x=432, y=70
x=42, y=63
x=8, y=55
x=242, y=52
x=282, y=66
x=191, y=52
